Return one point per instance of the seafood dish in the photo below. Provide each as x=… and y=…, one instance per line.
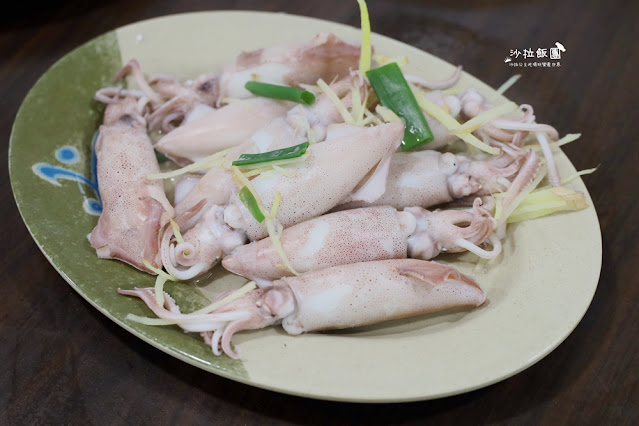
x=325, y=175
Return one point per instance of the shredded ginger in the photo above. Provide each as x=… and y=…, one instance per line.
x=365, y=55
x=508, y=84
x=207, y=163
x=486, y=117
x=547, y=201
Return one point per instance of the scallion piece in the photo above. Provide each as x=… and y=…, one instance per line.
x=287, y=93
x=278, y=154
x=395, y=94
x=160, y=157
x=250, y=202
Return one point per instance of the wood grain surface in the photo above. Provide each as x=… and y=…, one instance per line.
x=63, y=362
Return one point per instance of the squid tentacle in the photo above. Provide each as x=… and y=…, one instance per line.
x=553, y=171
x=134, y=66
x=524, y=177
x=174, y=110
x=474, y=248
x=490, y=174
x=203, y=246
x=189, y=322
x=184, y=98
x=444, y=231
x=367, y=234
x=503, y=129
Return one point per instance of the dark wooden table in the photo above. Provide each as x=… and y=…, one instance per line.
x=61, y=361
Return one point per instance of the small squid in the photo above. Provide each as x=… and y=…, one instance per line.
x=219, y=129
x=254, y=125
x=430, y=178
x=365, y=234
x=340, y=297
x=134, y=208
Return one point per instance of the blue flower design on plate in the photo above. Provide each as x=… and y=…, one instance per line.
x=67, y=155
x=54, y=174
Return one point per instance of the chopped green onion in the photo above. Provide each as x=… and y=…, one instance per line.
x=160, y=157
x=395, y=94
x=287, y=93
x=246, y=196
x=278, y=154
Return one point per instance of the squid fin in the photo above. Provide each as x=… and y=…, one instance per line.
x=431, y=273
x=184, y=218
x=435, y=273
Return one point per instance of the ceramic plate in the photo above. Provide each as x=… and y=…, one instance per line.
x=538, y=290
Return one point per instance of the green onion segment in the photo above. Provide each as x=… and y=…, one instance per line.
x=278, y=154
x=160, y=157
x=287, y=93
x=394, y=93
x=250, y=202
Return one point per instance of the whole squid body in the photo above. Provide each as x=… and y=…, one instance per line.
x=430, y=178
x=134, y=208
x=354, y=166
x=219, y=129
x=340, y=297
x=366, y=234
x=253, y=125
